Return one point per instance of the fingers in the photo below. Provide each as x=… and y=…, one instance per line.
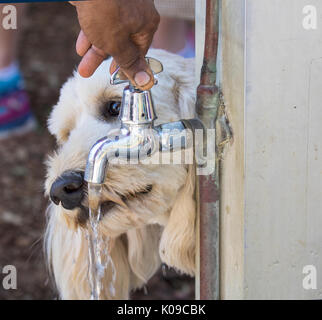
x=139, y=73
x=120, y=28
x=113, y=66
x=133, y=64
x=82, y=44
x=91, y=61
x=137, y=70
x=142, y=79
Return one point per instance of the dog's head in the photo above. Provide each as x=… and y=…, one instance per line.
x=135, y=197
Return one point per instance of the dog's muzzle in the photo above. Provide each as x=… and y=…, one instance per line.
x=68, y=190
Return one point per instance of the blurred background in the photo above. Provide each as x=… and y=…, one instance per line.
x=46, y=55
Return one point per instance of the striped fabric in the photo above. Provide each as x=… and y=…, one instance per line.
x=184, y=9
x=13, y=83
x=15, y=114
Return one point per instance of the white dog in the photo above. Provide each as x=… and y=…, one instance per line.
x=149, y=210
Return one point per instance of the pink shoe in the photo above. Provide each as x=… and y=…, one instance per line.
x=15, y=114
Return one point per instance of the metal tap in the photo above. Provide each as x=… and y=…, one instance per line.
x=139, y=138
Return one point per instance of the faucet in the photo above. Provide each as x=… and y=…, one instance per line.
x=139, y=138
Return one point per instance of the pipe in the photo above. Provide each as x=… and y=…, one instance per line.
x=208, y=102
x=138, y=138
x=139, y=142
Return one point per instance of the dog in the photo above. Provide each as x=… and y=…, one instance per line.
x=149, y=211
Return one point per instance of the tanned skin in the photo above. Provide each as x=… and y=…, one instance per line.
x=123, y=29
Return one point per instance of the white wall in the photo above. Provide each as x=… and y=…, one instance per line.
x=232, y=170
x=271, y=203
x=283, y=145
x=200, y=35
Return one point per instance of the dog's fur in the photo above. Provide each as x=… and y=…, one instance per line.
x=145, y=229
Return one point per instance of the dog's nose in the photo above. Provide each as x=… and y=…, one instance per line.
x=68, y=189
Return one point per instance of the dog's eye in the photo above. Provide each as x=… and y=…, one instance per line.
x=111, y=109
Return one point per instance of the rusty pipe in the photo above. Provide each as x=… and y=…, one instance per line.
x=207, y=106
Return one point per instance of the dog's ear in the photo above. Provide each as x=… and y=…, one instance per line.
x=178, y=241
x=143, y=253
x=184, y=89
x=63, y=117
x=177, y=244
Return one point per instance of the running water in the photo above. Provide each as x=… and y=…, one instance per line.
x=98, y=247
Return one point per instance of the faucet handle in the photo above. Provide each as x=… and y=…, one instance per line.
x=155, y=65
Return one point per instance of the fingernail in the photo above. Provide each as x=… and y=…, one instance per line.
x=142, y=78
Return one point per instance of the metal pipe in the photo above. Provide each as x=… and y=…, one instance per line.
x=138, y=138
x=208, y=102
x=138, y=142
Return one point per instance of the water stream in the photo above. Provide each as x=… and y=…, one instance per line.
x=99, y=252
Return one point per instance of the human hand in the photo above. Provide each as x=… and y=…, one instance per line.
x=123, y=29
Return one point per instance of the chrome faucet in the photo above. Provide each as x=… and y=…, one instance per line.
x=139, y=138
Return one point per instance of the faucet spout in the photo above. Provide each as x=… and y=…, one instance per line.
x=139, y=142
x=97, y=160
x=135, y=143
x=139, y=138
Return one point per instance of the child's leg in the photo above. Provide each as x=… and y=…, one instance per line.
x=15, y=115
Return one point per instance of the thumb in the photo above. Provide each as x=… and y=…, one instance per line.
x=137, y=71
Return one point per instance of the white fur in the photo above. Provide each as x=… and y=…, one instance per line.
x=145, y=230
